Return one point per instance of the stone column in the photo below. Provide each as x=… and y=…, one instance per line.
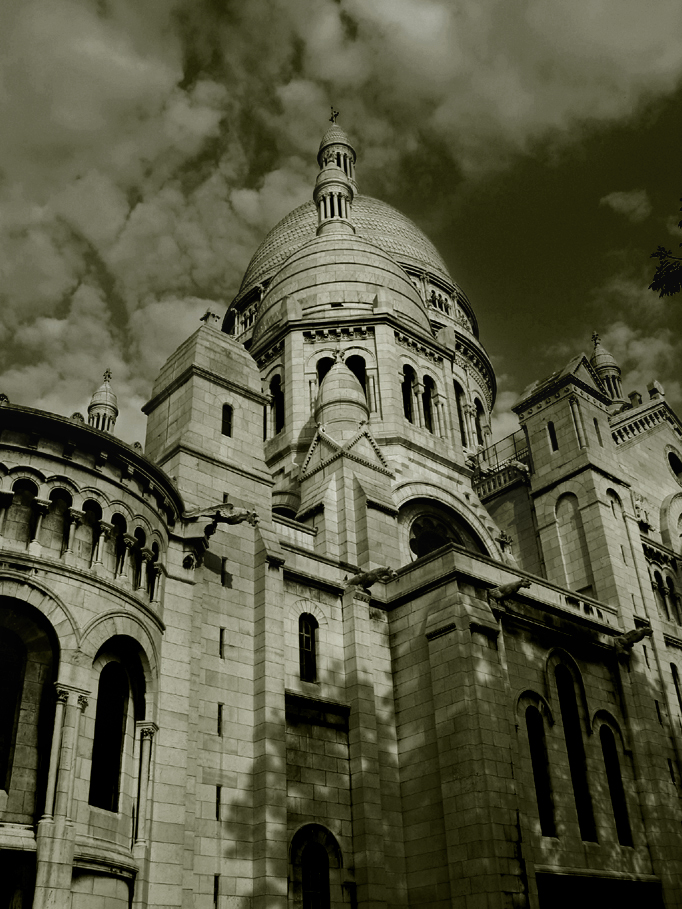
x=76, y=518
x=157, y=571
x=40, y=506
x=418, y=403
x=147, y=732
x=80, y=710
x=62, y=698
x=56, y=835
x=129, y=542
x=105, y=532
x=147, y=556
x=367, y=816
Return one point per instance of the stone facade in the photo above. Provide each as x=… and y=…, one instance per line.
x=322, y=643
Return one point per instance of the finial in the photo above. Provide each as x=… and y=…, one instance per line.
x=596, y=339
x=107, y=375
x=339, y=355
x=334, y=115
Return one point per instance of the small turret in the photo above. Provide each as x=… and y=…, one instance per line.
x=335, y=186
x=103, y=406
x=608, y=370
x=341, y=405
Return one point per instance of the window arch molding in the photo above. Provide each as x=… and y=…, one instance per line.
x=671, y=514
x=409, y=493
x=112, y=625
x=62, y=483
x=27, y=473
x=559, y=657
x=530, y=698
x=604, y=717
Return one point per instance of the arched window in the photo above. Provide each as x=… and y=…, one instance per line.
x=479, y=418
x=151, y=574
x=673, y=600
x=54, y=531
x=120, y=526
x=407, y=386
x=315, y=876
x=277, y=394
x=573, y=541
x=356, y=364
x=659, y=594
x=676, y=682
x=540, y=762
x=12, y=669
x=20, y=518
x=226, y=426
x=107, y=749
x=551, y=432
x=87, y=533
x=307, y=628
x=460, y=401
x=615, y=781
x=322, y=368
x=427, y=402
x=575, y=748
x=141, y=540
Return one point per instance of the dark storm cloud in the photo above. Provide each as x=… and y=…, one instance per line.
x=149, y=146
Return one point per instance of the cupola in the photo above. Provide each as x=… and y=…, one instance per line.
x=335, y=186
x=608, y=370
x=341, y=405
x=103, y=407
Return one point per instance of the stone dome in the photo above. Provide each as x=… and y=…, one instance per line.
x=104, y=396
x=335, y=275
x=381, y=224
x=333, y=135
x=602, y=358
x=341, y=404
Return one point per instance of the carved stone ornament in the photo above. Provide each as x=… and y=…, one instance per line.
x=365, y=579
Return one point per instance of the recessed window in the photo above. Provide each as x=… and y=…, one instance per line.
x=307, y=627
x=107, y=749
x=226, y=428
x=551, y=432
x=675, y=466
x=598, y=431
x=540, y=763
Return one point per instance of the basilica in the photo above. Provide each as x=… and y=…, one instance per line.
x=321, y=642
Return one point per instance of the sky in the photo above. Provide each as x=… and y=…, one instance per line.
x=147, y=148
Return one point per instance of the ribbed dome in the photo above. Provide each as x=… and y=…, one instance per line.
x=376, y=221
x=602, y=358
x=104, y=396
x=334, y=134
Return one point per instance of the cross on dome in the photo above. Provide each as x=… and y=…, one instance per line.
x=334, y=115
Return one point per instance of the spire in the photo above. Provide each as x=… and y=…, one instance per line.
x=608, y=370
x=335, y=186
x=103, y=407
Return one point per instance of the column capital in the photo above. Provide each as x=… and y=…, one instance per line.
x=83, y=702
x=76, y=516
x=147, y=729
x=41, y=505
x=6, y=498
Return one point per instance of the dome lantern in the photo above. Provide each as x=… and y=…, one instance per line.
x=335, y=185
x=608, y=370
x=103, y=407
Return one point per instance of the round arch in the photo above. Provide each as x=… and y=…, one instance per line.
x=16, y=587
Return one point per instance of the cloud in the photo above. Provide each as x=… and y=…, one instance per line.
x=635, y=205
x=147, y=147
